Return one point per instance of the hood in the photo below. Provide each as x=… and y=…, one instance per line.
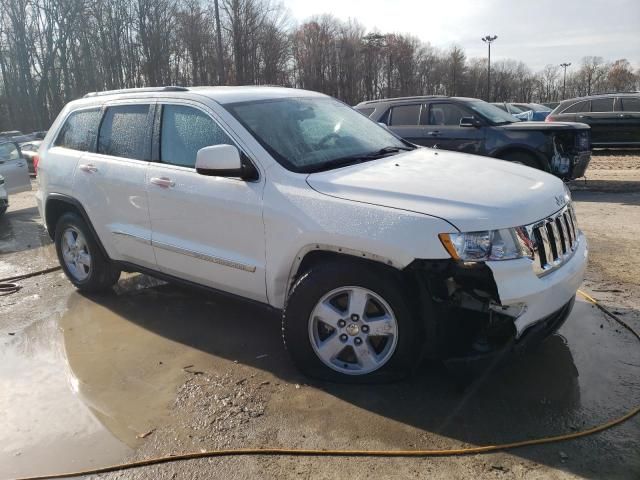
x=546, y=126
x=471, y=192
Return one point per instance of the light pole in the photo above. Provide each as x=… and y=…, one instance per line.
x=488, y=39
x=564, y=78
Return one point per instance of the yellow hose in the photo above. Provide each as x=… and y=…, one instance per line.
x=364, y=453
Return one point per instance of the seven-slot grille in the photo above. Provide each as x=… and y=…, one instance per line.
x=555, y=239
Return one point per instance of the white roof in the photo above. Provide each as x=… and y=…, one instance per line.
x=251, y=93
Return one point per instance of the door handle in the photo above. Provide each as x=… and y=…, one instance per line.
x=89, y=168
x=434, y=134
x=163, y=182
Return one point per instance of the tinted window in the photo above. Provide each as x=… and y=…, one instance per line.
x=405, y=115
x=185, y=130
x=631, y=104
x=602, y=105
x=123, y=132
x=79, y=131
x=366, y=111
x=577, y=107
x=9, y=151
x=447, y=114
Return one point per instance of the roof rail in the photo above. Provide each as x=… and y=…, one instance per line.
x=401, y=98
x=170, y=88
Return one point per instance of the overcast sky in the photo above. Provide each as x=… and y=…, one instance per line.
x=537, y=32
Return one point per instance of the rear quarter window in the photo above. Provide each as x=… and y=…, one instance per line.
x=79, y=130
x=577, y=107
x=366, y=111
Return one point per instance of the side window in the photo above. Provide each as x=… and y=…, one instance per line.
x=602, y=105
x=184, y=131
x=9, y=151
x=124, y=132
x=366, y=111
x=405, y=115
x=79, y=130
x=446, y=114
x=630, y=104
x=577, y=107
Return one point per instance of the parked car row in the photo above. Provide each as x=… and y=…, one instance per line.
x=614, y=118
x=473, y=126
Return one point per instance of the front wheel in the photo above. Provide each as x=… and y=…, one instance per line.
x=352, y=324
x=523, y=158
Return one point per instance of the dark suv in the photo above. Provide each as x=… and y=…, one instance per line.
x=473, y=126
x=614, y=118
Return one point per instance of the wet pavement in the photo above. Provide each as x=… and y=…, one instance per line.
x=85, y=380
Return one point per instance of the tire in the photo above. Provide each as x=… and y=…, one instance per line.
x=80, y=256
x=523, y=158
x=396, y=352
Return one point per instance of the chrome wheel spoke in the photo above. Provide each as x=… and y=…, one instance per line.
x=367, y=356
x=358, y=299
x=331, y=347
x=328, y=314
x=381, y=326
x=69, y=239
x=84, y=259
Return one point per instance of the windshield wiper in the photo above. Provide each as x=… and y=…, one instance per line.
x=353, y=159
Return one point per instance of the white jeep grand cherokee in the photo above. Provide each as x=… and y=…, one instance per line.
x=376, y=252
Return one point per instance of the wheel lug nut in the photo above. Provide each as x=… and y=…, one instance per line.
x=365, y=328
x=343, y=337
x=341, y=323
x=357, y=340
x=355, y=317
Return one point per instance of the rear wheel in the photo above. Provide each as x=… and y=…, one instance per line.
x=80, y=257
x=523, y=158
x=352, y=324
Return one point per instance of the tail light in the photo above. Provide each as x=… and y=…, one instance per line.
x=36, y=160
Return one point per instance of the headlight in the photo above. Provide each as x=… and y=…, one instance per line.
x=487, y=245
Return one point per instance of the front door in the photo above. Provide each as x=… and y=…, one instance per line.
x=14, y=169
x=207, y=230
x=442, y=126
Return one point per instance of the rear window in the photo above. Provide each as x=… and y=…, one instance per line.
x=602, y=105
x=631, y=104
x=578, y=107
x=405, y=115
x=123, y=132
x=79, y=130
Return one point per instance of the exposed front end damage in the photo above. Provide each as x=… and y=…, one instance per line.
x=571, y=153
x=486, y=309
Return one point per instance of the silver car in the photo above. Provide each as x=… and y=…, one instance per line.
x=14, y=170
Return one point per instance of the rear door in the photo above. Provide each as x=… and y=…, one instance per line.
x=110, y=182
x=404, y=120
x=603, y=120
x=441, y=121
x=14, y=169
x=629, y=115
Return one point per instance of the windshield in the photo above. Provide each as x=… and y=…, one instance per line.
x=305, y=134
x=492, y=113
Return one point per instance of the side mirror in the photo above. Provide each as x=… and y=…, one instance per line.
x=223, y=161
x=469, y=122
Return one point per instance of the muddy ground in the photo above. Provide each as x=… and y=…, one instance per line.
x=155, y=369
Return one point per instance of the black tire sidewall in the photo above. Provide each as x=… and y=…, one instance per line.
x=320, y=280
